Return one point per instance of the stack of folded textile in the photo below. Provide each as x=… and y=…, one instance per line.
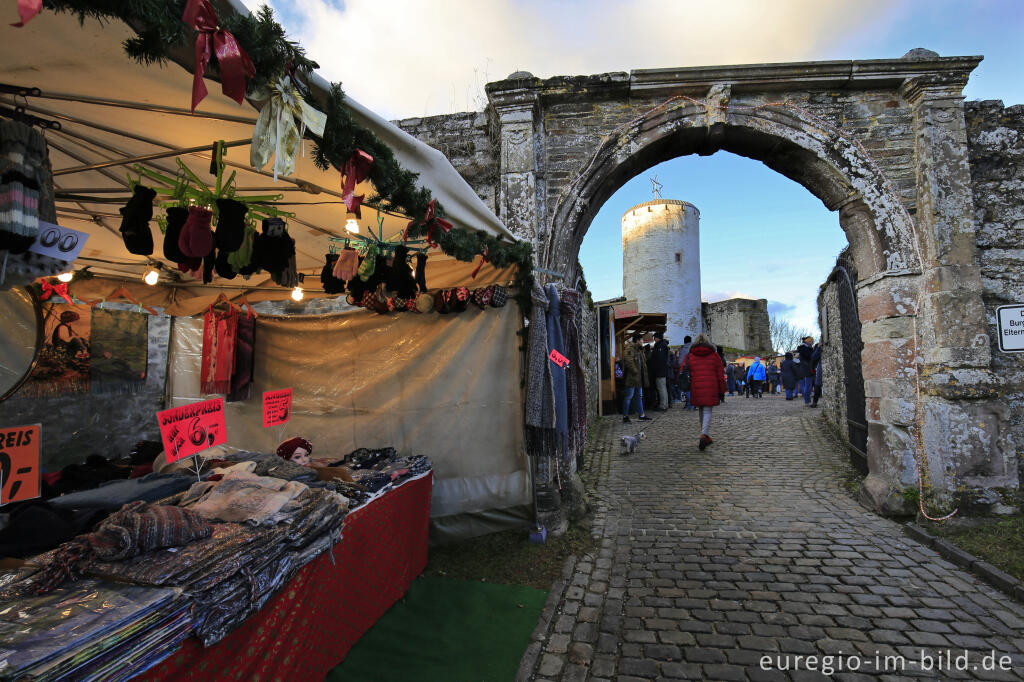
x=91, y=630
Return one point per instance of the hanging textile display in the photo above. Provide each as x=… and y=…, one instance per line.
x=63, y=362
x=220, y=331
x=281, y=125
x=558, y=383
x=575, y=383
x=120, y=351
x=540, y=400
x=26, y=185
x=245, y=357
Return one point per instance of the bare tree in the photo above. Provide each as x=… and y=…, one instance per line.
x=784, y=334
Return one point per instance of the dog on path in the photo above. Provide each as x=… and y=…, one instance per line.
x=629, y=443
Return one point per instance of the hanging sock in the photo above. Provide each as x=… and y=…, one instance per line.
x=176, y=218
x=135, y=217
x=230, y=224
x=196, y=240
x=421, y=272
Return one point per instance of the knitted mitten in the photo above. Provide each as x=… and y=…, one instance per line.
x=230, y=224
x=196, y=240
x=135, y=217
x=366, y=268
x=421, y=272
x=176, y=218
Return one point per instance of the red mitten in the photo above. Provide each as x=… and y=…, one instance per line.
x=196, y=240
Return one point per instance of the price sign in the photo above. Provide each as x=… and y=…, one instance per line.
x=19, y=463
x=193, y=428
x=277, y=407
x=559, y=359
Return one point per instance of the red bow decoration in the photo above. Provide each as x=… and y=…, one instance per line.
x=431, y=221
x=59, y=289
x=483, y=259
x=355, y=171
x=232, y=60
x=28, y=9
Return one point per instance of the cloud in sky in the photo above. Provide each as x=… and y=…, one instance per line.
x=716, y=296
x=780, y=308
x=411, y=58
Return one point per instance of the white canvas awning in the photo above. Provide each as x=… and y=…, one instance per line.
x=112, y=108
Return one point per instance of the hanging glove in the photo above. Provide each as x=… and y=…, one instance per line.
x=366, y=268
x=209, y=263
x=421, y=272
x=223, y=265
x=274, y=247
x=135, y=217
x=242, y=260
x=347, y=264
x=401, y=279
x=176, y=218
x=230, y=224
x=331, y=284
x=196, y=240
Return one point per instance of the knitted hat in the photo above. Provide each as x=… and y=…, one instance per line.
x=499, y=296
x=482, y=296
x=69, y=316
x=230, y=224
x=196, y=239
x=135, y=217
x=460, y=299
x=288, y=447
x=176, y=218
x=425, y=303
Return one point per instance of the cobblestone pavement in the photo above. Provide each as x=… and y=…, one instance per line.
x=708, y=561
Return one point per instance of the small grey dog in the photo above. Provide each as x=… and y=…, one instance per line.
x=629, y=443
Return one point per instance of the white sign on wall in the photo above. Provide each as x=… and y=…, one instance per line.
x=1010, y=323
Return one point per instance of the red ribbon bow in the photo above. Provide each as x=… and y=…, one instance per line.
x=355, y=171
x=232, y=60
x=483, y=259
x=431, y=221
x=28, y=9
x=59, y=289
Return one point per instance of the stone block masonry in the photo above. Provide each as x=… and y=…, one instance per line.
x=739, y=323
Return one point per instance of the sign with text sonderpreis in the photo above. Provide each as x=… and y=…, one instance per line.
x=1010, y=328
x=192, y=428
x=19, y=463
x=277, y=407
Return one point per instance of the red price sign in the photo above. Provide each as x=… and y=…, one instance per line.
x=277, y=407
x=19, y=463
x=189, y=429
x=559, y=359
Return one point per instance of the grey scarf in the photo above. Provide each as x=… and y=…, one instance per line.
x=576, y=388
x=539, y=409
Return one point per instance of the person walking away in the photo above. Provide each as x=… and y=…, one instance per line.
x=788, y=375
x=805, y=350
x=707, y=383
x=816, y=359
x=658, y=368
x=673, y=377
x=730, y=378
x=633, y=376
x=684, y=350
x=756, y=376
x=773, y=378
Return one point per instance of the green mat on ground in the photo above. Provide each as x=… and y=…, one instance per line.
x=450, y=630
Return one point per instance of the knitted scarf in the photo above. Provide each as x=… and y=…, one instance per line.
x=139, y=527
x=576, y=388
x=539, y=409
x=555, y=343
x=220, y=331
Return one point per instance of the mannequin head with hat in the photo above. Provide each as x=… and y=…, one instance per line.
x=296, y=450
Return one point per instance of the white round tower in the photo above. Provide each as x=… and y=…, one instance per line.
x=661, y=263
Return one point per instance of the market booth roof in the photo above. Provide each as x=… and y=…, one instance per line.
x=112, y=109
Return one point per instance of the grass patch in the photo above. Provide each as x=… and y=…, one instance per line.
x=997, y=541
x=508, y=558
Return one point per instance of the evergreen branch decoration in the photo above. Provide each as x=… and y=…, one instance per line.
x=159, y=29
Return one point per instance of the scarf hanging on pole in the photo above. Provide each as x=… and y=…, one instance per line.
x=220, y=331
x=576, y=388
x=539, y=410
x=241, y=379
x=556, y=343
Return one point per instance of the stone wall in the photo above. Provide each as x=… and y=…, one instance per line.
x=739, y=323
x=996, y=141
x=80, y=424
x=833, y=387
x=464, y=139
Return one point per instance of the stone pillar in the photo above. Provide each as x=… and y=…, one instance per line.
x=519, y=204
x=964, y=444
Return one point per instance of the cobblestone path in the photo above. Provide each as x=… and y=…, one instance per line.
x=706, y=562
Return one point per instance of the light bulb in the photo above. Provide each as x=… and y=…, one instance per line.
x=352, y=226
x=65, y=276
x=297, y=294
x=151, y=277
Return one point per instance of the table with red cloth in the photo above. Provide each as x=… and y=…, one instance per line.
x=310, y=625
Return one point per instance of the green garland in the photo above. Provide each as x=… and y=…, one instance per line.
x=159, y=30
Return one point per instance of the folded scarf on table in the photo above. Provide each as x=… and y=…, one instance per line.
x=241, y=497
x=139, y=527
x=220, y=331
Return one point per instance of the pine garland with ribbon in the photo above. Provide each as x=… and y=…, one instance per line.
x=159, y=30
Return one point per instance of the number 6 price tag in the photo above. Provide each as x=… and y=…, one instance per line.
x=193, y=428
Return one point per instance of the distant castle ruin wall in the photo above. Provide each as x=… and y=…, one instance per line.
x=739, y=323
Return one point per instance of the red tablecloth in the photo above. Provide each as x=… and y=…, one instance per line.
x=308, y=627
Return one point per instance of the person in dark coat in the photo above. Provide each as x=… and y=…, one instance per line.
x=816, y=377
x=788, y=374
x=730, y=377
x=634, y=376
x=805, y=350
x=773, y=378
x=657, y=365
x=707, y=383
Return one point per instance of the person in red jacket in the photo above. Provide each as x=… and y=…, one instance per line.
x=707, y=382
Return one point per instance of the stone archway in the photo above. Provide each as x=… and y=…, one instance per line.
x=881, y=142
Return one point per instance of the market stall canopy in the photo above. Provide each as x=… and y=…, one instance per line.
x=115, y=112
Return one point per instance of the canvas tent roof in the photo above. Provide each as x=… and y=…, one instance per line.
x=112, y=108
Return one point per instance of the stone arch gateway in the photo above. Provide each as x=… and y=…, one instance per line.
x=885, y=143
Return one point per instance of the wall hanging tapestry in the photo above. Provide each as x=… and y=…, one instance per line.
x=120, y=351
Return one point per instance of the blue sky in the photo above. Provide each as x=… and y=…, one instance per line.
x=762, y=235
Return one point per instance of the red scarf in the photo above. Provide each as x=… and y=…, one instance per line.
x=220, y=330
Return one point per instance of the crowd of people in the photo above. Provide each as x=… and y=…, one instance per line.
x=698, y=377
